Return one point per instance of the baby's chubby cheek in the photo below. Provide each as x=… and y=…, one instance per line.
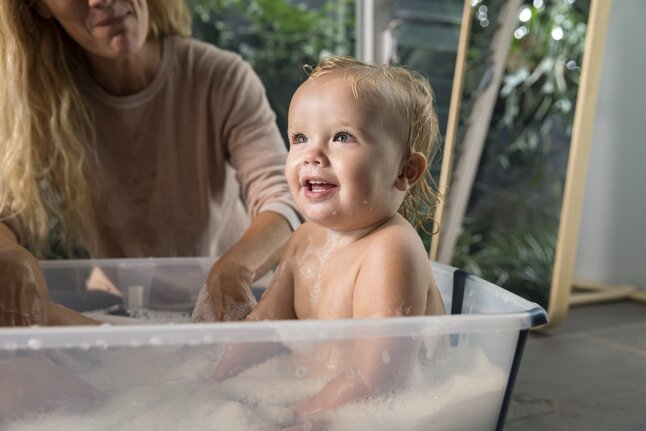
x=292, y=176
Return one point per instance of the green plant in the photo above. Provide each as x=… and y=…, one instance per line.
x=520, y=260
x=509, y=235
x=542, y=77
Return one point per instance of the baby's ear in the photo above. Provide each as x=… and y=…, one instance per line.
x=412, y=171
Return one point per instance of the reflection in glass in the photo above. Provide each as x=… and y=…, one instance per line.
x=509, y=231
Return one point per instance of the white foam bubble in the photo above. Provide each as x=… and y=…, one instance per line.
x=35, y=343
x=162, y=387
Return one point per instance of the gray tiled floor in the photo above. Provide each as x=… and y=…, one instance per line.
x=589, y=373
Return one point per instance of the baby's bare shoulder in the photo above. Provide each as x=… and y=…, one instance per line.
x=394, y=274
x=397, y=236
x=394, y=251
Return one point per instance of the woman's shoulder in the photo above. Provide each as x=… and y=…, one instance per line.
x=200, y=48
x=201, y=54
x=208, y=66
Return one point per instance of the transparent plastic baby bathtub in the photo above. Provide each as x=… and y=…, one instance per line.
x=149, y=369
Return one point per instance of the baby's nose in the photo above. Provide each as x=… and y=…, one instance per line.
x=314, y=156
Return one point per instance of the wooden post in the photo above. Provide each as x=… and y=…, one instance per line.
x=457, y=198
x=577, y=170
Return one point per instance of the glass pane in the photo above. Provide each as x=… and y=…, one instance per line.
x=425, y=38
x=512, y=219
x=278, y=37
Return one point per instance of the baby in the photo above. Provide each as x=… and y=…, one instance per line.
x=360, y=140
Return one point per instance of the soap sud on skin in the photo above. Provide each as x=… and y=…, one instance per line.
x=236, y=310
x=312, y=263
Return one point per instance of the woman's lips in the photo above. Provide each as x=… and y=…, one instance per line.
x=113, y=20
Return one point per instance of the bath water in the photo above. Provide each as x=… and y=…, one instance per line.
x=167, y=387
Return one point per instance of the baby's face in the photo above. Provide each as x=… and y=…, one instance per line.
x=343, y=163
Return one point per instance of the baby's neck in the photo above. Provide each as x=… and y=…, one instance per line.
x=341, y=238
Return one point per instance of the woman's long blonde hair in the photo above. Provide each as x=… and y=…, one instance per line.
x=408, y=101
x=45, y=126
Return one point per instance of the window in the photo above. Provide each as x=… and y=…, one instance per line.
x=278, y=37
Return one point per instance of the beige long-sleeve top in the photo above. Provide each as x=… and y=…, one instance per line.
x=175, y=159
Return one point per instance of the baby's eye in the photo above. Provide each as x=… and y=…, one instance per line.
x=343, y=137
x=298, y=138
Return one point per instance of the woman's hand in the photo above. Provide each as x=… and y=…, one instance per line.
x=23, y=295
x=23, y=292
x=227, y=294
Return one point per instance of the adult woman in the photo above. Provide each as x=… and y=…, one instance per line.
x=138, y=140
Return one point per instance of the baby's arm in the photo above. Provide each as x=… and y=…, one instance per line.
x=393, y=281
x=277, y=303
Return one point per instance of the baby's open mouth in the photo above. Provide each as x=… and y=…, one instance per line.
x=317, y=186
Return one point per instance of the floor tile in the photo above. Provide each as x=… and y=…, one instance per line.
x=572, y=371
x=630, y=337
x=597, y=316
x=587, y=374
x=613, y=414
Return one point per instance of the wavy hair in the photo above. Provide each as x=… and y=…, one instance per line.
x=407, y=101
x=46, y=129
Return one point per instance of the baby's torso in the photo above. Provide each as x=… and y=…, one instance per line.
x=324, y=279
x=325, y=273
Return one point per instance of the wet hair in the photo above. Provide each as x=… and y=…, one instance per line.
x=404, y=101
x=45, y=125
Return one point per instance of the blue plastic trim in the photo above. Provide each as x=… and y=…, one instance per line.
x=457, y=299
x=459, y=280
x=515, y=365
x=537, y=317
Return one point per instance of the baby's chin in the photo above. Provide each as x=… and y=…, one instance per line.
x=345, y=221
x=328, y=221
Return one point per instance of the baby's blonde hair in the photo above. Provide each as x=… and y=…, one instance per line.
x=407, y=101
x=45, y=126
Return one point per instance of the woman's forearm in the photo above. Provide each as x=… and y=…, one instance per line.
x=63, y=316
x=260, y=247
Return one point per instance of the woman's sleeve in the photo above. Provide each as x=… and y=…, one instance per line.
x=254, y=146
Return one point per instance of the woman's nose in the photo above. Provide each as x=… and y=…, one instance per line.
x=100, y=3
